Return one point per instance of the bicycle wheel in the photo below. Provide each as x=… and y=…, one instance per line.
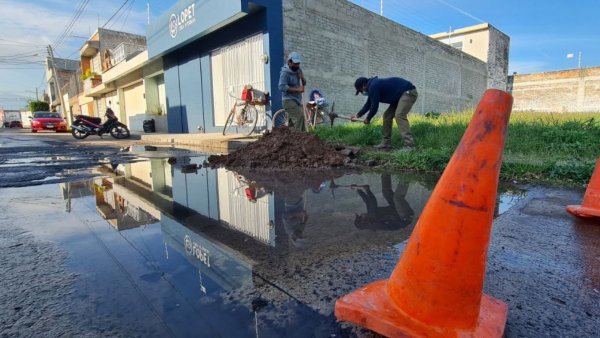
x=308, y=118
x=315, y=117
x=229, y=121
x=280, y=118
x=322, y=117
x=251, y=119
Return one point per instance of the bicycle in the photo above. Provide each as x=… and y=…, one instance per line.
x=314, y=110
x=245, y=113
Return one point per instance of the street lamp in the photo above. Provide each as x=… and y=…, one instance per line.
x=571, y=55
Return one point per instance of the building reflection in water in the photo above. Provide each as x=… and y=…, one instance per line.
x=228, y=223
x=253, y=237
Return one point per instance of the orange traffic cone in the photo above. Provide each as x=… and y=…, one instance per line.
x=591, y=201
x=436, y=288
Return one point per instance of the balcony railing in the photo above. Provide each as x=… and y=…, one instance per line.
x=123, y=50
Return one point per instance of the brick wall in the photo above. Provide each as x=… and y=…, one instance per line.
x=340, y=41
x=574, y=90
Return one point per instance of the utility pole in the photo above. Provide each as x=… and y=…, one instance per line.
x=579, y=62
x=36, y=94
x=381, y=7
x=57, y=82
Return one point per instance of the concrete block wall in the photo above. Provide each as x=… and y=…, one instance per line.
x=573, y=91
x=497, y=61
x=110, y=39
x=340, y=41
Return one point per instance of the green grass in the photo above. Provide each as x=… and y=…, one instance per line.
x=540, y=147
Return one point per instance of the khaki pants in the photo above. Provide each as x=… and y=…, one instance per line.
x=295, y=114
x=400, y=113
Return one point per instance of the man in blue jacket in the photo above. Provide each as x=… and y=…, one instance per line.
x=291, y=85
x=400, y=94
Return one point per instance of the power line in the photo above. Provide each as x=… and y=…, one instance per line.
x=127, y=16
x=14, y=42
x=117, y=12
x=117, y=17
x=69, y=27
x=76, y=14
x=22, y=55
x=24, y=68
x=410, y=14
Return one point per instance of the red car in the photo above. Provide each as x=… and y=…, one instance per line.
x=45, y=120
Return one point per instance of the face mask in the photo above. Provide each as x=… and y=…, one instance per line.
x=364, y=93
x=295, y=68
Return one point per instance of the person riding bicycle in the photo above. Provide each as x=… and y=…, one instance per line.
x=291, y=85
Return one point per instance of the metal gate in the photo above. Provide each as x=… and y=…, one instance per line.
x=232, y=68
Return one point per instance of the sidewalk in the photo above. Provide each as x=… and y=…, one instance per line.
x=214, y=142
x=210, y=142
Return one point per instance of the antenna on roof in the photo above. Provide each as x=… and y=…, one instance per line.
x=148, y=11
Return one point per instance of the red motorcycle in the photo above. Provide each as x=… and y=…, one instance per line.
x=84, y=126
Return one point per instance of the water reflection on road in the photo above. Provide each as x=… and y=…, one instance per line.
x=220, y=253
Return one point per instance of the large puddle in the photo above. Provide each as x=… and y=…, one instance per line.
x=165, y=249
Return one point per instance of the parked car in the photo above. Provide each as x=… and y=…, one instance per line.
x=15, y=124
x=45, y=120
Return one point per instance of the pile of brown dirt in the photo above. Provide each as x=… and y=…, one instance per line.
x=283, y=148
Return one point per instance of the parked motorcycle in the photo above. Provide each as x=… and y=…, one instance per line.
x=84, y=126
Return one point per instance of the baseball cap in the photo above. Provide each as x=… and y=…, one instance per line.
x=295, y=57
x=359, y=83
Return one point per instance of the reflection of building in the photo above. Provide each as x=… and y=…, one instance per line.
x=241, y=248
x=77, y=189
x=217, y=263
x=119, y=212
x=217, y=194
x=223, y=196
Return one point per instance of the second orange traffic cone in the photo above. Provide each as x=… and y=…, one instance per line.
x=436, y=288
x=590, y=207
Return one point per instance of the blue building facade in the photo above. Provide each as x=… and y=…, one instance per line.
x=189, y=37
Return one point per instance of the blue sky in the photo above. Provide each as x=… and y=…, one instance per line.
x=542, y=32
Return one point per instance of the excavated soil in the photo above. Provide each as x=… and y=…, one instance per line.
x=283, y=149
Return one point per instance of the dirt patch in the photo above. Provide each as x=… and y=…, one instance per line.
x=284, y=148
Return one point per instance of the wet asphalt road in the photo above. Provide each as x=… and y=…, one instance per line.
x=69, y=274
x=48, y=157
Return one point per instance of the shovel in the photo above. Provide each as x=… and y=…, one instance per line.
x=333, y=115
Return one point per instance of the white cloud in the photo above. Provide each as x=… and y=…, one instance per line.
x=42, y=22
x=39, y=23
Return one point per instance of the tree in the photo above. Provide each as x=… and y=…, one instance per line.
x=38, y=106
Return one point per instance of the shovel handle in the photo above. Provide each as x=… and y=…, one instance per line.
x=351, y=119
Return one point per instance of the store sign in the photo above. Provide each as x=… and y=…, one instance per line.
x=182, y=20
x=189, y=20
x=196, y=250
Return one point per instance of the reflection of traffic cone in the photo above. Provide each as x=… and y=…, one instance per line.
x=591, y=201
x=436, y=287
